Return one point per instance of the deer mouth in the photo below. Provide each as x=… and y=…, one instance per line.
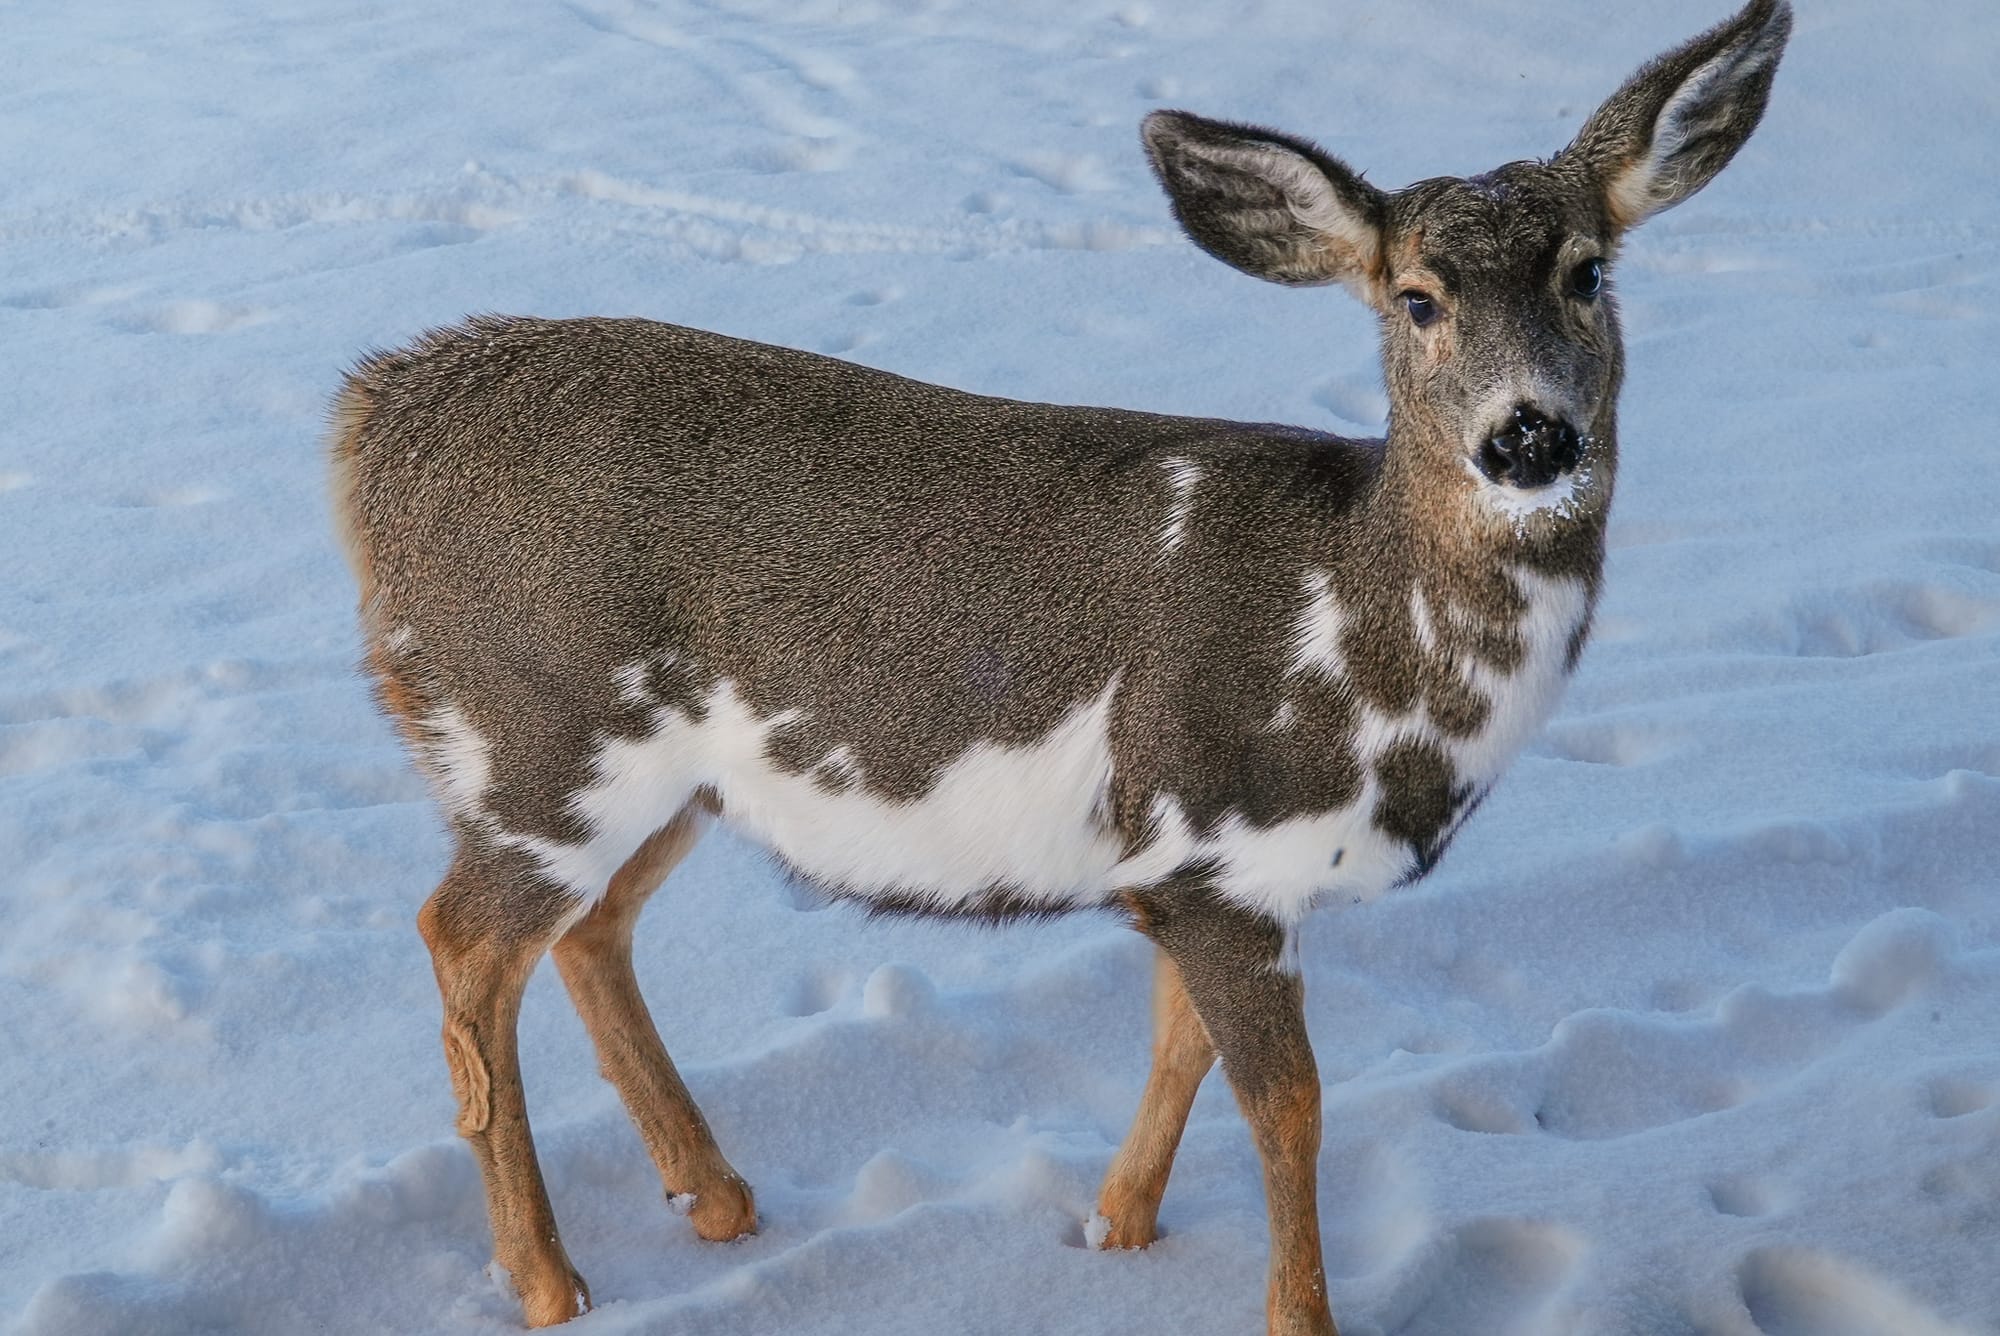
x=1530, y=452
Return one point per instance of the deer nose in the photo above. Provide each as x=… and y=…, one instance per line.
x=1531, y=451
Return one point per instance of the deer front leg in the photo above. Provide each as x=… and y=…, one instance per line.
x=1230, y=962
x=1129, y=1201
x=486, y=926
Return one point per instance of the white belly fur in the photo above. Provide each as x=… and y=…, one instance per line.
x=1027, y=819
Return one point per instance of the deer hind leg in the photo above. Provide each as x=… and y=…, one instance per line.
x=486, y=926
x=1129, y=1201
x=1229, y=961
x=595, y=959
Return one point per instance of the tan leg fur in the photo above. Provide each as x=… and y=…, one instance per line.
x=1285, y=1120
x=595, y=958
x=482, y=963
x=1182, y=1056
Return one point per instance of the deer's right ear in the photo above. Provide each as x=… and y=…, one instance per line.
x=1276, y=207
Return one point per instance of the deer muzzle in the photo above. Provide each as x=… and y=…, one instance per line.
x=1531, y=451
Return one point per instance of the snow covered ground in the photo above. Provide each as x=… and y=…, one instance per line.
x=1697, y=1030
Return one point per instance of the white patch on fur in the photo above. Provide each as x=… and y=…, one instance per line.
x=1420, y=617
x=630, y=679
x=458, y=760
x=1027, y=818
x=400, y=638
x=1283, y=717
x=1015, y=817
x=683, y=1203
x=1316, y=633
x=1523, y=700
x=1282, y=869
x=1289, y=961
x=840, y=764
x=1182, y=475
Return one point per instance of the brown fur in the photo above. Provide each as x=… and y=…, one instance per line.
x=345, y=421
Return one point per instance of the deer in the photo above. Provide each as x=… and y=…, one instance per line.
x=963, y=656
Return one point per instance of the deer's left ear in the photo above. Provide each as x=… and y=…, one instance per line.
x=1681, y=118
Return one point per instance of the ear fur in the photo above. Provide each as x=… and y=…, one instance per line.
x=1681, y=118
x=1274, y=206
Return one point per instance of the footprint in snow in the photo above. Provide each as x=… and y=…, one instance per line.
x=1357, y=400
x=1602, y=741
x=1377, y=1219
x=200, y=317
x=1497, y=1277
x=1606, y=1073
x=1957, y=1096
x=57, y=299
x=1882, y=618
x=1797, y=1292
x=815, y=993
x=1747, y=1195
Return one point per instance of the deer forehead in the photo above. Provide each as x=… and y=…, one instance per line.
x=1500, y=233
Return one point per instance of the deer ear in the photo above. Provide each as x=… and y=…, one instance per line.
x=1681, y=118
x=1276, y=207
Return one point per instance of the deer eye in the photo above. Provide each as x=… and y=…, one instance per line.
x=1421, y=308
x=1587, y=279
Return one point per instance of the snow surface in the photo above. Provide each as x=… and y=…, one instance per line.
x=1697, y=1030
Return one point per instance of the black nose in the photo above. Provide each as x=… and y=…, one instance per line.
x=1531, y=451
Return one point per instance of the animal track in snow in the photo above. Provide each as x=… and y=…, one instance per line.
x=812, y=994
x=126, y=1167
x=1956, y=1096
x=60, y=298
x=1747, y=1195
x=1497, y=1277
x=1610, y=741
x=757, y=234
x=1883, y=618
x=1358, y=400
x=685, y=225
x=1794, y=1292
x=201, y=317
x=1605, y=1074
x=841, y=344
x=753, y=73
x=1379, y=1219
x=1072, y=174
x=1472, y=1104
x=185, y=494
x=889, y=1184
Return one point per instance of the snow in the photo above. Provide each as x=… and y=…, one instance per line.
x=1692, y=1032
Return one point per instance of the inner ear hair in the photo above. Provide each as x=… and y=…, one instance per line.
x=1273, y=205
x=1682, y=117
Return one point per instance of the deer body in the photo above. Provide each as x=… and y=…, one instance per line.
x=853, y=642
x=959, y=655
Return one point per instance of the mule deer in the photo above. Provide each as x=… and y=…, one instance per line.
x=966, y=656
